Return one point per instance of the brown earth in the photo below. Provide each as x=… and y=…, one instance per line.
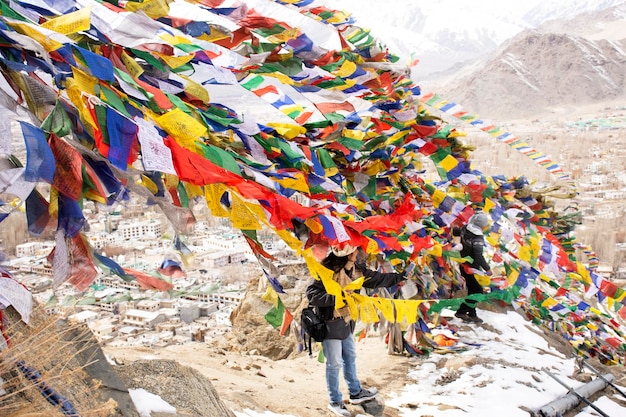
x=294, y=386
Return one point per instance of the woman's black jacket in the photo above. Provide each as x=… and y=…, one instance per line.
x=473, y=246
x=317, y=295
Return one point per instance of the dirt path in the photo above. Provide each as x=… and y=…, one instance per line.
x=291, y=386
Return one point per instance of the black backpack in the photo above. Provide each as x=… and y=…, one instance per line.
x=313, y=325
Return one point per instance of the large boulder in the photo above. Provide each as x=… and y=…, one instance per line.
x=182, y=387
x=251, y=333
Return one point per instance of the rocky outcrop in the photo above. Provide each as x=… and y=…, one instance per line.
x=251, y=333
x=180, y=386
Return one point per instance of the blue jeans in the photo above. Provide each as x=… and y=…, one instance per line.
x=340, y=353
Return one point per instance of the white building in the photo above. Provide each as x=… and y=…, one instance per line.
x=141, y=229
x=141, y=318
x=100, y=240
x=104, y=330
x=85, y=316
x=148, y=305
x=33, y=249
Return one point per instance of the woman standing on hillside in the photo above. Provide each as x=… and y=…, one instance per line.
x=473, y=243
x=339, y=345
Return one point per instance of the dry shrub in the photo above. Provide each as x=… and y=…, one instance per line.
x=46, y=346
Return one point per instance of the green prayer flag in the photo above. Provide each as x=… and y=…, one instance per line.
x=149, y=58
x=182, y=195
x=114, y=101
x=222, y=158
x=275, y=316
x=57, y=122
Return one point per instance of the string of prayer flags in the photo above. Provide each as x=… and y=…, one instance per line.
x=289, y=117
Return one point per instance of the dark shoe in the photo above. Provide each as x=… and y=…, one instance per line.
x=463, y=316
x=363, y=395
x=468, y=318
x=475, y=319
x=339, y=409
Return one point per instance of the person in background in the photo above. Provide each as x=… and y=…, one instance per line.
x=339, y=347
x=473, y=244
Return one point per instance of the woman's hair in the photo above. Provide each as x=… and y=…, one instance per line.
x=334, y=263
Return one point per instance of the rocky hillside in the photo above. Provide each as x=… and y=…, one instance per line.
x=547, y=71
x=55, y=368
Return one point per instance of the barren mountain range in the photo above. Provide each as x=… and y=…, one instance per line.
x=564, y=67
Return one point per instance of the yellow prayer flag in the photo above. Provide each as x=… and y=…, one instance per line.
x=212, y=195
x=489, y=205
x=355, y=284
x=372, y=246
x=53, y=207
x=483, y=280
x=367, y=311
x=396, y=136
x=293, y=110
x=512, y=278
x=71, y=22
x=457, y=133
x=170, y=180
x=283, y=78
x=437, y=197
x=176, y=61
x=24, y=28
x=524, y=253
x=291, y=241
x=214, y=36
x=332, y=287
x=84, y=81
x=346, y=69
x=241, y=216
x=298, y=182
x=75, y=95
x=132, y=66
x=288, y=131
x=353, y=134
x=385, y=306
x=339, y=17
x=406, y=310
x=535, y=246
x=193, y=191
x=544, y=277
x=284, y=36
x=270, y=296
x=352, y=307
x=493, y=238
x=182, y=127
x=348, y=83
x=448, y=163
x=153, y=8
x=584, y=273
x=549, y=302
x=436, y=250
x=374, y=167
x=149, y=184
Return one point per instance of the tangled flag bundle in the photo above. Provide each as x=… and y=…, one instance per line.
x=281, y=115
